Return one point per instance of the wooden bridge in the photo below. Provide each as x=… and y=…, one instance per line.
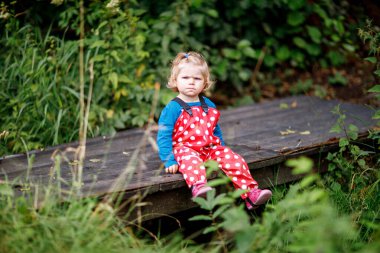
x=265, y=134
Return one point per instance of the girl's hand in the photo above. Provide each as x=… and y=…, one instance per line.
x=172, y=169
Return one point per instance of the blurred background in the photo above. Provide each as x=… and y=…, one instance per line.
x=257, y=50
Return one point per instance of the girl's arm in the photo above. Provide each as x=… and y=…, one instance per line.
x=218, y=133
x=166, y=123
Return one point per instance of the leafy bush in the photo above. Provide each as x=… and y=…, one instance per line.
x=304, y=220
x=128, y=47
x=78, y=225
x=296, y=33
x=40, y=79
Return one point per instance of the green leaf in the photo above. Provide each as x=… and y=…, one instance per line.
x=371, y=59
x=98, y=58
x=353, y=128
x=296, y=4
x=375, y=88
x=335, y=37
x=301, y=165
x=124, y=79
x=317, y=195
x=270, y=60
x=353, y=132
x=231, y=53
x=339, y=26
x=212, y=13
x=376, y=115
x=314, y=34
x=267, y=28
x=212, y=164
x=349, y=48
x=231, y=216
x=102, y=24
x=362, y=163
x=98, y=43
x=218, y=181
x=321, y=12
x=200, y=217
x=284, y=106
x=243, y=43
x=336, y=57
x=114, y=79
x=283, y=53
x=338, y=78
x=220, y=210
x=221, y=199
x=196, y=3
x=299, y=42
x=331, y=167
x=244, y=74
x=313, y=49
x=209, y=230
x=336, y=110
x=295, y=18
x=343, y=142
x=237, y=193
x=250, y=52
x=308, y=180
x=115, y=55
x=6, y=190
x=377, y=72
x=203, y=203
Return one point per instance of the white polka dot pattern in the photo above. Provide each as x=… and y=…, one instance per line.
x=194, y=143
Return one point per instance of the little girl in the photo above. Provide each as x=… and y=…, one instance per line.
x=189, y=133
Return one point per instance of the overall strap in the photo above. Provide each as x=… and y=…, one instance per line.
x=203, y=104
x=187, y=108
x=184, y=105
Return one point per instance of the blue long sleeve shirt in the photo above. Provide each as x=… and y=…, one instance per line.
x=166, y=122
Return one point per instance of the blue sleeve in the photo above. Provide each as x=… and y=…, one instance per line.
x=217, y=131
x=166, y=122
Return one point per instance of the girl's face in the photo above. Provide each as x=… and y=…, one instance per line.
x=190, y=82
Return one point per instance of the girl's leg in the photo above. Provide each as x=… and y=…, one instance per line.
x=235, y=167
x=190, y=165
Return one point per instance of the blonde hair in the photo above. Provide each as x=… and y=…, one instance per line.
x=193, y=58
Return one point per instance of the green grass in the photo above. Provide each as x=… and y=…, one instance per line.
x=307, y=216
x=77, y=225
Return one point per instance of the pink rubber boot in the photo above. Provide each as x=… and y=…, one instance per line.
x=257, y=197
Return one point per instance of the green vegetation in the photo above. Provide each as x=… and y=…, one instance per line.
x=309, y=216
x=128, y=46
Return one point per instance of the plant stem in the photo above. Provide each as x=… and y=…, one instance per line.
x=82, y=132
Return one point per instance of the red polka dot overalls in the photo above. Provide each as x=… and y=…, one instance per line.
x=194, y=143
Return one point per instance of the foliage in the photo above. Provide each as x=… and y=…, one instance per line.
x=79, y=225
x=37, y=85
x=297, y=33
x=353, y=178
x=304, y=220
x=128, y=47
x=40, y=86
x=371, y=34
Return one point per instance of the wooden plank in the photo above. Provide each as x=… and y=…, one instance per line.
x=252, y=131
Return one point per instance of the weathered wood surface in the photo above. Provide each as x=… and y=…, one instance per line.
x=253, y=131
